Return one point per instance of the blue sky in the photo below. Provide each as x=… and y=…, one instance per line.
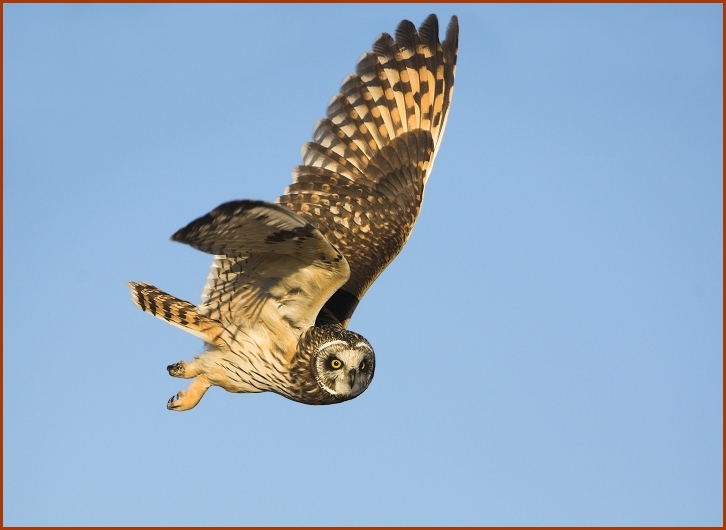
x=549, y=343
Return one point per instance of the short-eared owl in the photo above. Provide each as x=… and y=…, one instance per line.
x=286, y=277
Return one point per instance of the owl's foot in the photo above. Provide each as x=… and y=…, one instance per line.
x=188, y=399
x=177, y=369
x=185, y=370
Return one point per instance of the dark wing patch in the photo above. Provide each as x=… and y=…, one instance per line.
x=235, y=228
x=362, y=179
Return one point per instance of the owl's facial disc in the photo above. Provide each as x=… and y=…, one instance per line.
x=345, y=369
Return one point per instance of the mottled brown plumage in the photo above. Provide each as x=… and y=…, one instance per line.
x=363, y=177
x=287, y=277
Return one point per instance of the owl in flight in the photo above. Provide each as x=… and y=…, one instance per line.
x=287, y=276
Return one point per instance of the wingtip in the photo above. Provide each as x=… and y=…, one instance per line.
x=429, y=31
x=406, y=34
x=176, y=236
x=452, y=32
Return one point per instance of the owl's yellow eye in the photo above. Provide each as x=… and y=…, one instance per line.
x=362, y=366
x=335, y=364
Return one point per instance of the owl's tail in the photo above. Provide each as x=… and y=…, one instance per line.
x=177, y=312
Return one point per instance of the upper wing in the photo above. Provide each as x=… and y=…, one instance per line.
x=363, y=177
x=269, y=261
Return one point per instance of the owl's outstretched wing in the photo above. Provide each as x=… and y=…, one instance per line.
x=269, y=260
x=363, y=177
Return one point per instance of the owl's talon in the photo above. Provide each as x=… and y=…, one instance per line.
x=175, y=401
x=177, y=369
x=188, y=399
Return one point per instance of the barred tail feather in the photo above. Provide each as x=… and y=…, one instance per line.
x=177, y=312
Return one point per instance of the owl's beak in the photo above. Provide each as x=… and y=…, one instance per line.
x=351, y=377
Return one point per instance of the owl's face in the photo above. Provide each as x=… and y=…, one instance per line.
x=344, y=368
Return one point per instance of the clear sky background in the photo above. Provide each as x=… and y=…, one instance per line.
x=549, y=343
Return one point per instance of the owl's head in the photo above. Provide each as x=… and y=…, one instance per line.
x=344, y=367
x=340, y=366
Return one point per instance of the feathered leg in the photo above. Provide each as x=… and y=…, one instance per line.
x=188, y=399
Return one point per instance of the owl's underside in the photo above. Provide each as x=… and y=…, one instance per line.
x=287, y=276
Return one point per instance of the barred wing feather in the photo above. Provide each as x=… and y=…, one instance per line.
x=362, y=179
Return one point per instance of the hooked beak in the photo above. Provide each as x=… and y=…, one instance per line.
x=351, y=377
